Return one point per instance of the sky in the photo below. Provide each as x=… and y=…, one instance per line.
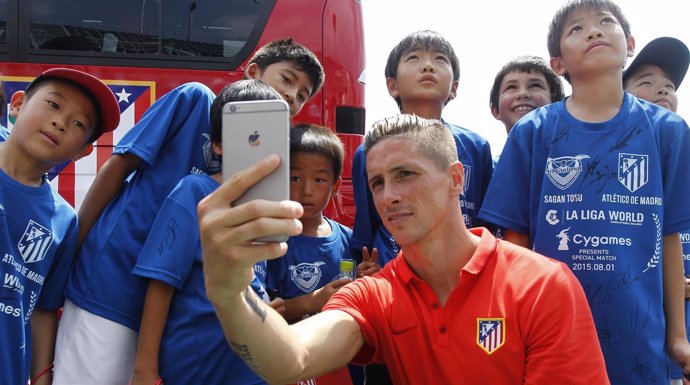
x=487, y=34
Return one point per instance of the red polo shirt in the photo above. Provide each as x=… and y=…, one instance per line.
x=515, y=317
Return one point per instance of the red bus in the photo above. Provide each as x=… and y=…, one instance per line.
x=144, y=48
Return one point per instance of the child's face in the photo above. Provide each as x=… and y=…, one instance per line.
x=423, y=76
x=592, y=41
x=54, y=124
x=519, y=93
x=291, y=82
x=653, y=85
x=312, y=182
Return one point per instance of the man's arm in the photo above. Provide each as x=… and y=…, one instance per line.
x=109, y=182
x=674, y=305
x=258, y=334
x=43, y=333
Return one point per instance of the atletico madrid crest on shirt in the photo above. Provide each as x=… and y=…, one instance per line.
x=490, y=333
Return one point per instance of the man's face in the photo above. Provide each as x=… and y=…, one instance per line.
x=411, y=194
x=653, y=85
x=312, y=182
x=423, y=76
x=54, y=124
x=592, y=41
x=519, y=93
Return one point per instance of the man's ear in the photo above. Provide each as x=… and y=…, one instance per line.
x=16, y=103
x=457, y=175
x=392, y=86
x=252, y=71
x=86, y=151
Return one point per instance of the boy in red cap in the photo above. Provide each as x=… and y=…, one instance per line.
x=57, y=118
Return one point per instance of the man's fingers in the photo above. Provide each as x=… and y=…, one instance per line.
x=233, y=188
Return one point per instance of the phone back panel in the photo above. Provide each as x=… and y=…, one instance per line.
x=253, y=130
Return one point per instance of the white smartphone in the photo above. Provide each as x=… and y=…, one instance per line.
x=252, y=130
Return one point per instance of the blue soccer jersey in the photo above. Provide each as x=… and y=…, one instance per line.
x=193, y=347
x=600, y=197
x=172, y=140
x=310, y=262
x=38, y=235
x=475, y=155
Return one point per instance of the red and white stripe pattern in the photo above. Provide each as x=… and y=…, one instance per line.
x=490, y=333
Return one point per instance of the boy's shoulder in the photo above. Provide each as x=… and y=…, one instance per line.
x=339, y=227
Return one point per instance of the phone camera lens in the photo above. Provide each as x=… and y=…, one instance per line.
x=233, y=108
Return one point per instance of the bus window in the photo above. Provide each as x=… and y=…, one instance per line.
x=3, y=23
x=141, y=27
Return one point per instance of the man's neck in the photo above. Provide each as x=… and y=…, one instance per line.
x=438, y=261
x=596, y=99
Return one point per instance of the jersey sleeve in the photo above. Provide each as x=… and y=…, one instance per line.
x=507, y=199
x=180, y=109
x=51, y=297
x=675, y=143
x=171, y=246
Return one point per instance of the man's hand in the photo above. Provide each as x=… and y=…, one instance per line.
x=227, y=231
x=369, y=265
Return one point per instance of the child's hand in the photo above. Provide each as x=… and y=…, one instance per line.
x=369, y=265
x=278, y=305
x=322, y=295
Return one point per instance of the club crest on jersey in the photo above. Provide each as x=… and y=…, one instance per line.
x=35, y=242
x=490, y=333
x=632, y=170
x=306, y=275
x=563, y=171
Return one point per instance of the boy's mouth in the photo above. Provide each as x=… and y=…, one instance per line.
x=523, y=108
x=596, y=44
x=50, y=137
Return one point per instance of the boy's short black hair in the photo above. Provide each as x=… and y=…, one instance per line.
x=553, y=38
x=428, y=40
x=528, y=64
x=243, y=90
x=291, y=51
x=315, y=139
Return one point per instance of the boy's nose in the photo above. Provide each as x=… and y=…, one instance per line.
x=595, y=33
x=58, y=124
x=663, y=91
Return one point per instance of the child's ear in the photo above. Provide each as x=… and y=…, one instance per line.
x=392, y=86
x=336, y=186
x=631, y=46
x=86, y=151
x=252, y=71
x=16, y=103
x=453, y=90
x=557, y=65
x=495, y=112
x=217, y=148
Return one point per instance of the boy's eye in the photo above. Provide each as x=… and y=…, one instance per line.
x=442, y=58
x=576, y=28
x=608, y=20
x=79, y=124
x=320, y=180
x=286, y=79
x=294, y=178
x=509, y=87
x=53, y=105
x=411, y=57
x=537, y=85
x=671, y=87
x=302, y=97
x=645, y=83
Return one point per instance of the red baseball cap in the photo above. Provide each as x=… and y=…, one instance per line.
x=102, y=95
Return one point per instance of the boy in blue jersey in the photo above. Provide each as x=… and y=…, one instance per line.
x=522, y=85
x=57, y=118
x=180, y=339
x=304, y=277
x=655, y=75
x=600, y=182
x=98, y=333
x=422, y=74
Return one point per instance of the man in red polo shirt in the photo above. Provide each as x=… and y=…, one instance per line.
x=456, y=306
